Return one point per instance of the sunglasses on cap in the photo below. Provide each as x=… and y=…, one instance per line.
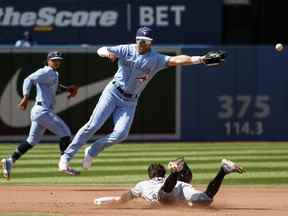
x=143, y=41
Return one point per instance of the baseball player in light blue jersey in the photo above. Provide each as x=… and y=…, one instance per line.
x=177, y=188
x=42, y=115
x=137, y=65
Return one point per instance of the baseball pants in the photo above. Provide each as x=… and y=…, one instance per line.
x=109, y=104
x=41, y=120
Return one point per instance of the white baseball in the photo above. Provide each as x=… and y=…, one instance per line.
x=279, y=47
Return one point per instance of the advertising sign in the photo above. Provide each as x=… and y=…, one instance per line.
x=112, y=22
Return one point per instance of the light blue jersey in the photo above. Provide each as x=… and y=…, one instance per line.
x=42, y=115
x=119, y=99
x=136, y=70
x=46, y=81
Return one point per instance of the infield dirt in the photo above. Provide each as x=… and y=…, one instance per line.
x=76, y=201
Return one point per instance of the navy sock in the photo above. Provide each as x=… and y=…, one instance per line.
x=20, y=150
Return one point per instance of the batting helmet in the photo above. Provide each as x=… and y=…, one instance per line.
x=156, y=170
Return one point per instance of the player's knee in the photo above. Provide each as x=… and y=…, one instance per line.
x=33, y=140
x=119, y=136
x=201, y=199
x=89, y=128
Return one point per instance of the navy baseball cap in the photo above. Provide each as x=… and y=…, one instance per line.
x=144, y=33
x=54, y=55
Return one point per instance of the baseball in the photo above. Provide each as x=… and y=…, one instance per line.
x=279, y=47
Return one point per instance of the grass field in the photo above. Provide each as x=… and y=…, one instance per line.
x=125, y=164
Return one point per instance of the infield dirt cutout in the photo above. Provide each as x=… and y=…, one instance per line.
x=78, y=201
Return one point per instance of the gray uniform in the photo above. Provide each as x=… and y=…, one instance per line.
x=42, y=114
x=182, y=191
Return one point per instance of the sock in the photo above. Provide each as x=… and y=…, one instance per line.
x=64, y=143
x=20, y=150
x=215, y=184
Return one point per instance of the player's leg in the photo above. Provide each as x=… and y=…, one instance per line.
x=123, y=117
x=56, y=125
x=226, y=168
x=35, y=134
x=101, y=113
x=196, y=197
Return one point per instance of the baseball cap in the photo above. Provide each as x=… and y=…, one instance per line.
x=54, y=55
x=144, y=33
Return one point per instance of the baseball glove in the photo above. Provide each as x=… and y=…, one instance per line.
x=185, y=175
x=180, y=167
x=214, y=58
x=72, y=90
x=176, y=165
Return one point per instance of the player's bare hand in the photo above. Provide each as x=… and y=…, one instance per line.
x=112, y=57
x=23, y=103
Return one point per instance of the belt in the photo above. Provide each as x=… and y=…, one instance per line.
x=40, y=103
x=125, y=94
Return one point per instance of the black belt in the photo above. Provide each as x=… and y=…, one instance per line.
x=127, y=95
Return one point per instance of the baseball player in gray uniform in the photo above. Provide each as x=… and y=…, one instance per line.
x=177, y=188
x=42, y=115
x=137, y=65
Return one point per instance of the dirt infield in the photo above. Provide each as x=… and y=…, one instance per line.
x=74, y=201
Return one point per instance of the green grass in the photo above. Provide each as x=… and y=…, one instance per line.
x=125, y=164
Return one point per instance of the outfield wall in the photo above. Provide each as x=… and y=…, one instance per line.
x=244, y=99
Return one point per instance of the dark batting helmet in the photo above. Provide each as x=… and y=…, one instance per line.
x=156, y=170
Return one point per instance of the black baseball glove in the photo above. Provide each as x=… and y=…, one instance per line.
x=181, y=168
x=214, y=58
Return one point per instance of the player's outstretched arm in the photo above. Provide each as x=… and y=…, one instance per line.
x=212, y=58
x=125, y=197
x=185, y=60
x=114, y=200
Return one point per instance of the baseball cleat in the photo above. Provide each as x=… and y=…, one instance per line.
x=87, y=161
x=64, y=167
x=230, y=167
x=176, y=165
x=7, y=167
x=71, y=171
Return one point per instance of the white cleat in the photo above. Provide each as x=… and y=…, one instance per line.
x=87, y=161
x=64, y=167
x=230, y=167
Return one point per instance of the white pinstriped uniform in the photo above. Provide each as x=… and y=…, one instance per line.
x=182, y=191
